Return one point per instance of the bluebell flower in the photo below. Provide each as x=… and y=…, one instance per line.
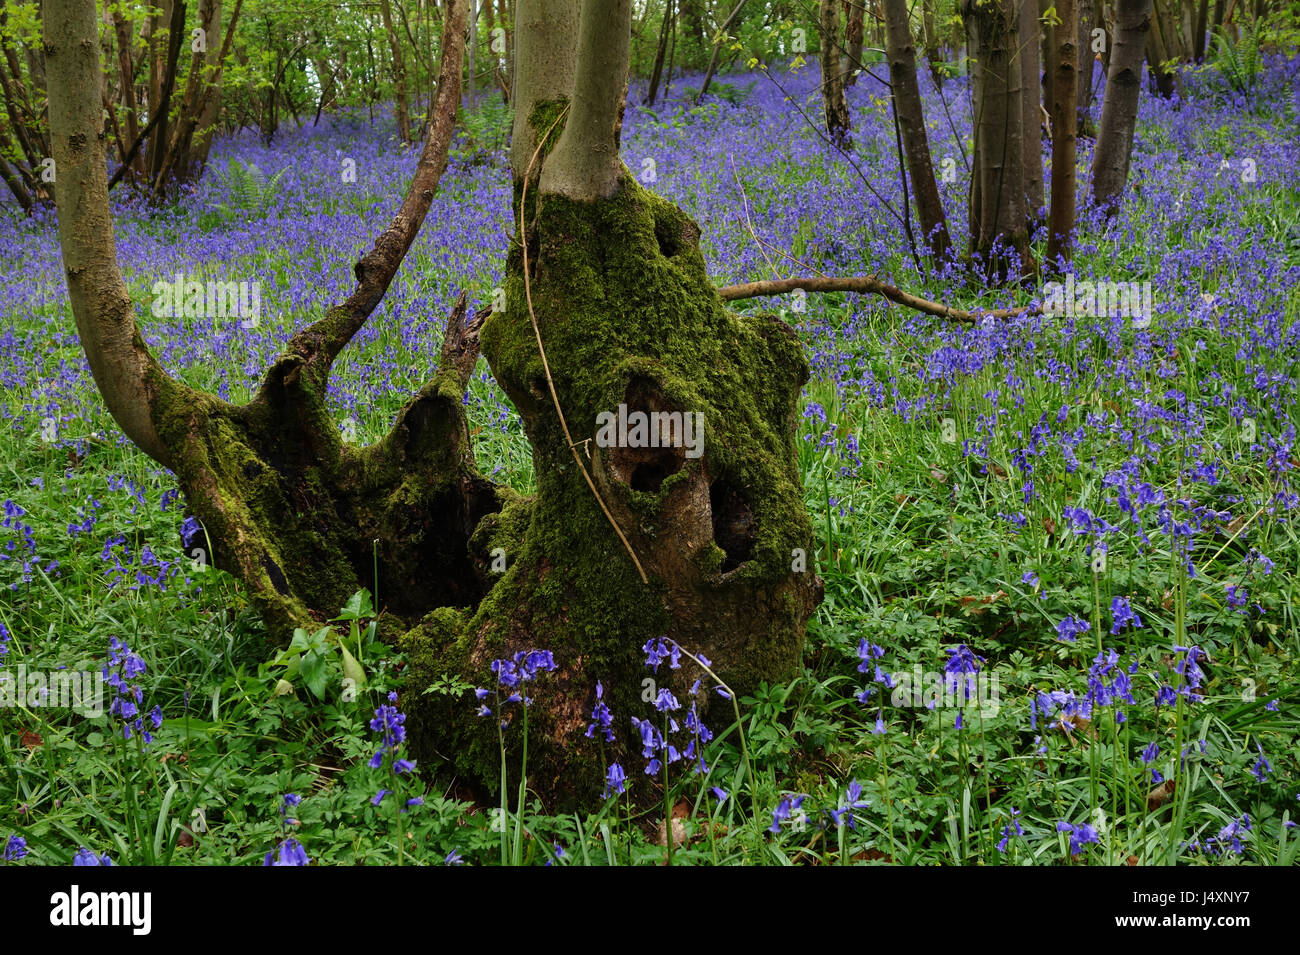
x=1122, y=612
x=15, y=848
x=783, y=811
x=602, y=718
x=290, y=852
x=85, y=857
x=1080, y=835
x=852, y=801
x=1012, y=826
x=615, y=781
x=1262, y=766
x=1069, y=629
x=453, y=858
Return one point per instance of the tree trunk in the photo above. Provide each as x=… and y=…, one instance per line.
x=1199, y=31
x=1088, y=19
x=853, y=35
x=399, y=74
x=1065, y=96
x=836, y=108
x=717, y=48
x=932, y=55
x=1119, y=108
x=999, y=238
x=660, y=52
x=901, y=51
x=1031, y=111
x=1164, y=74
x=621, y=544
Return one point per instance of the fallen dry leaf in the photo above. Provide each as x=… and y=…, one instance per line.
x=1160, y=795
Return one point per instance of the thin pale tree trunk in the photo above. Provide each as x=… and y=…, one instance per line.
x=901, y=50
x=834, y=105
x=1065, y=94
x=1119, y=108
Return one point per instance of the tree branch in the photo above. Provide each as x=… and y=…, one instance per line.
x=320, y=343
x=869, y=285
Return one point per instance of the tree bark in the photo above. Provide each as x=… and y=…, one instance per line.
x=901, y=51
x=1199, y=30
x=1065, y=97
x=1120, y=106
x=834, y=105
x=999, y=237
x=1031, y=110
x=932, y=55
x=403, y=114
x=853, y=35
x=661, y=51
x=1164, y=75
x=1088, y=19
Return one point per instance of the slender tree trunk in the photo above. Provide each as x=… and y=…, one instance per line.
x=932, y=54
x=901, y=51
x=1198, y=32
x=1031, y=110
x=999, y=237
x=836, y=108
x=1065, y=97
x=506, y=21
x=660, y=52
x=1164, y=74
x=853, y=35
x=1120, y=106
x=399, y=73
x=1088, y=19
x=717, y=48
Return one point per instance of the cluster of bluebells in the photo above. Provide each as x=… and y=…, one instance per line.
x=868, y=656
x=290, y=851
x=1122, y=612
x=1071, y=628
x=122, y=669
x=851, y=802
x=512, y=675
x=1080, y=835
x=1118, y=690
x=960, y=670
x=658, y=748
x=1228, y=839
x=389, y=723
x=789, y=808
x=1012, y=827
x=85, y=856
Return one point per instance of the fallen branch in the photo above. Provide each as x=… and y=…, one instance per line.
x=869, y=285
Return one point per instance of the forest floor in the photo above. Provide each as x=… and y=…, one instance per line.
x=1090, y=519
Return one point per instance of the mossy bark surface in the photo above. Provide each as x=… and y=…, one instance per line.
x=627, y=315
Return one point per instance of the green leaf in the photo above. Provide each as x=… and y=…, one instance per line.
x=313, y=673
x=358, y=607
x=351, y=668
